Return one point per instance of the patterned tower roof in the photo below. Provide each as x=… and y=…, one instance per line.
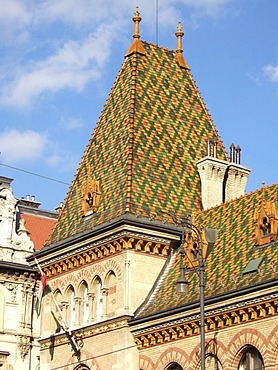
x=231, y=266
x=141, y=158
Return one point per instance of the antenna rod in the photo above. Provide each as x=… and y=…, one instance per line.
x=156, y=22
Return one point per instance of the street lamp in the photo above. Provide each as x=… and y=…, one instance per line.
x=193, y=236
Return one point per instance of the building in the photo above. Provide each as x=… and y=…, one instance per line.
x=154, y=172
x=22, y=227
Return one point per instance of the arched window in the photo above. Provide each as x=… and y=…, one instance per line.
x=55, y=314
x=84, y=303
x=111, y=285
x=81, y=367
x=72, y=309
x=174, y=366
x=85, y=306
x=251, y=360
x=70, y=299
x=99, y=301
x=97, y=290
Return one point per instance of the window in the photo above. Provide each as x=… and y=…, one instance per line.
x=251, y=360
x=174, y=366
x=85, y=306
x=111, y=285
x=99, y=301
x=83, y=299
x=70, y=299
x=81, y=367
x=98, y=305
x=72, y=310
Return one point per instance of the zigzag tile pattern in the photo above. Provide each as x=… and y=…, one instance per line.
x=234, y=248
x=144, y=149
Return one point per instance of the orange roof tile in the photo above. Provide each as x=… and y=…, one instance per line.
x=39, y=228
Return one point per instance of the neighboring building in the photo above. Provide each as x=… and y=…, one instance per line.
x=114, y=255
x=38, y=222
x=19, y=327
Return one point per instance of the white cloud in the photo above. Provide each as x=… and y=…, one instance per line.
x=71, y=123
x=271, y=72
x=15, y=12
x=73, y=63
x=15, y=18
x=71, y=67
x=21, y=146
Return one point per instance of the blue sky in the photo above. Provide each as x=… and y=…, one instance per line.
x=59, y=59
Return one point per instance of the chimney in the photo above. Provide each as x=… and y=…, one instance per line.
x=237, y=175
x=221, y=180
x=29, y=201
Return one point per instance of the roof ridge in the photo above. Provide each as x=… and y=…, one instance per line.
x=228, y=202
x=131, y=131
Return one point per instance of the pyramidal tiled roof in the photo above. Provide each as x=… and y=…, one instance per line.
x=235, y=247
x=152, y=130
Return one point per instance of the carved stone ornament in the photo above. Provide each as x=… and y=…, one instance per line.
x=91, y=196
x=12, y=288
x=24, y=345
x=266, y=223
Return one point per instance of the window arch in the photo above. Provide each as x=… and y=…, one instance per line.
x=81, y=367
x=98, y=302
x=251, y=360
x=70, y=297
x=110, y=284
x=174, y=366
x=83, y=293
x=56, y=323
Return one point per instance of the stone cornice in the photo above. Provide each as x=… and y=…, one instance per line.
x=216, y=319
x=83, y=333
x=127, y=223
x=86, y=254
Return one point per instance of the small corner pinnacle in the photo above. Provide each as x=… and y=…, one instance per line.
x=137, y=45
x=179, y=57
x=179, y=35
x=136, y=20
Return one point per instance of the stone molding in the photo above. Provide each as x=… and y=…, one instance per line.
x=245, y=312
x=83, y=333
x=98, y=250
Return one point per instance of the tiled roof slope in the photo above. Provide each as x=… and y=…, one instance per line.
x=234, y=248
x=153, y=129
x=39, y=228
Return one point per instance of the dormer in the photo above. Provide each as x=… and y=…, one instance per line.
x=266, y=222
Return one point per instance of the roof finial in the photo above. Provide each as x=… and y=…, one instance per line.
x=179, y=57
x=137, y=45
x=136, y=20
x=179, y=35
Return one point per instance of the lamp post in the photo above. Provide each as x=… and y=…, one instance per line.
x=194, y=235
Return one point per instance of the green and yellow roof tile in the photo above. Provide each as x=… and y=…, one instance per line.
x=235, y=247
x=143, y=151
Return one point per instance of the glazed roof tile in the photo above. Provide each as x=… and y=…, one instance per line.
x=234, y=248
x=153, y=129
